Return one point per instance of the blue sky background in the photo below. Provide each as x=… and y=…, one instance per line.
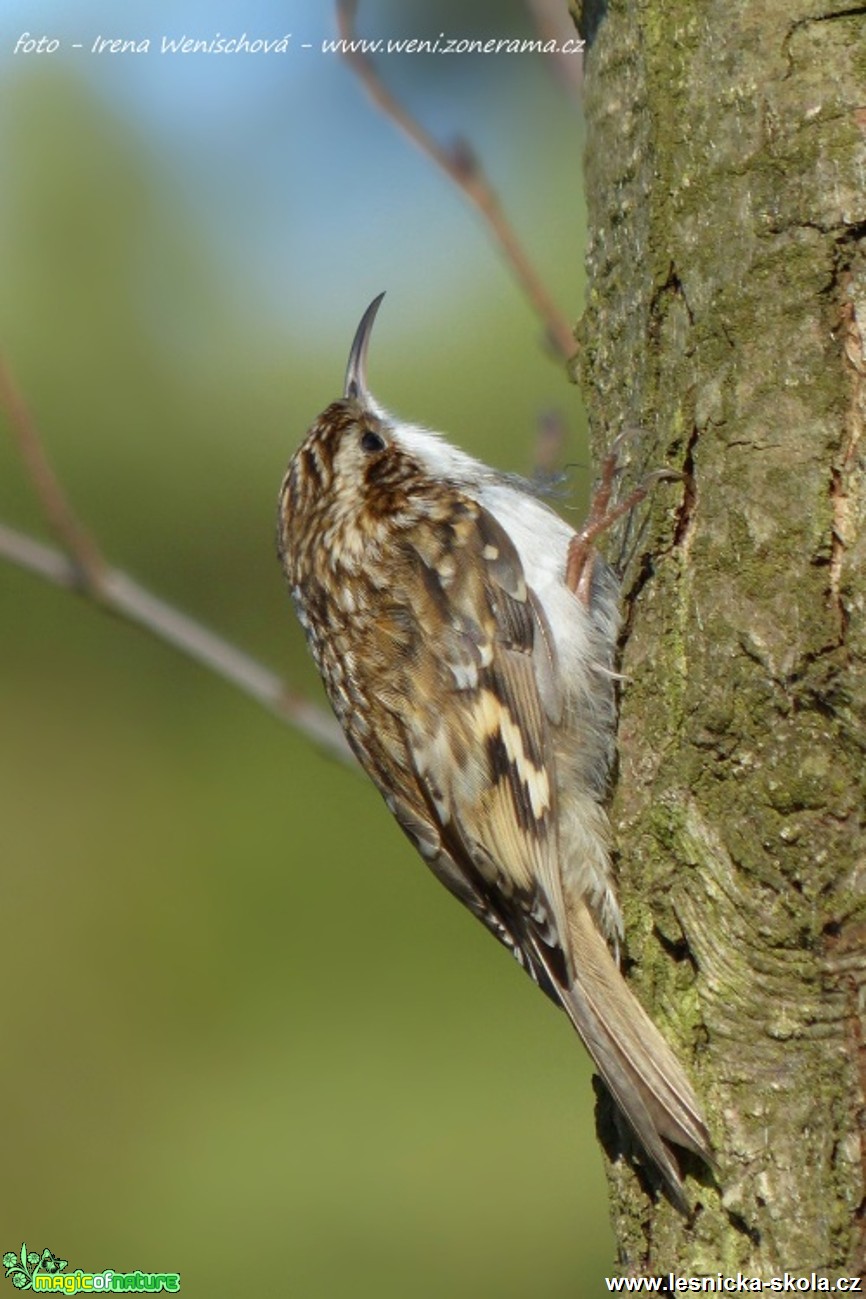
x=249, y=1030
x=282, y=150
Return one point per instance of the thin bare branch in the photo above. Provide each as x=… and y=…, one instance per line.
x=61, y=518
x=119, y=594
x=80, y=567
x=554, y=23
x=551, y=437
x=462, y=165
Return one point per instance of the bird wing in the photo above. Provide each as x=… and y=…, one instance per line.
x=479, y=741
x=478, y=797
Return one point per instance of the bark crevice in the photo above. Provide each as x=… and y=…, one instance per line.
x=727, y=294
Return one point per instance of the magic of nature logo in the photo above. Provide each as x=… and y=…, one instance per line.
x=28, y=1270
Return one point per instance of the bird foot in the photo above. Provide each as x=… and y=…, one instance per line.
x=602, y=515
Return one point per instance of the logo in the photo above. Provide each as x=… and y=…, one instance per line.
x=31, y=1271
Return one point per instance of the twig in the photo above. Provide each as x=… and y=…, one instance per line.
x=463, y=166
x=550, y=437
x=119, y=594
x=59, y=515
x=554, y=23
x=81, y=567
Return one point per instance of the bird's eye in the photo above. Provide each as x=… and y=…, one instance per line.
x=371, y=441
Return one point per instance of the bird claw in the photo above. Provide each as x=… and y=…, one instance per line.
x=602, y=515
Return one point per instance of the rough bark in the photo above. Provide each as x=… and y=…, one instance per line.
x=726, y=174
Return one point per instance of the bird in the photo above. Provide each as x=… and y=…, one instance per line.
x=466, y=638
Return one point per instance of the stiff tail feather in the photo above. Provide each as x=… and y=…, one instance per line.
x=639, y=1068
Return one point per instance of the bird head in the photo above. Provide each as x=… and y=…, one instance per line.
x=360, y=471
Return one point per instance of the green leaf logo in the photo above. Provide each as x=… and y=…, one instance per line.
x=21, y=1268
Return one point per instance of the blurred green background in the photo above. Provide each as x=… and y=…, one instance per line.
x=247, y=1036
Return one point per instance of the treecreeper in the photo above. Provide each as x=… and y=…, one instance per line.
x=466, y=637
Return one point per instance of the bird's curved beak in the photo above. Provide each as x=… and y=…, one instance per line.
x=356, y=370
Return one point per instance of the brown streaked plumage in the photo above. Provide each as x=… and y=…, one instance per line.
x=476, y=688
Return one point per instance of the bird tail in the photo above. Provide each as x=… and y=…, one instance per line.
x=639, y=1068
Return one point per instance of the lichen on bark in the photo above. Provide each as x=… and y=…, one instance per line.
x=725, y=317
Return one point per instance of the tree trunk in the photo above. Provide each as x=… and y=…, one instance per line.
x=726, y=318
